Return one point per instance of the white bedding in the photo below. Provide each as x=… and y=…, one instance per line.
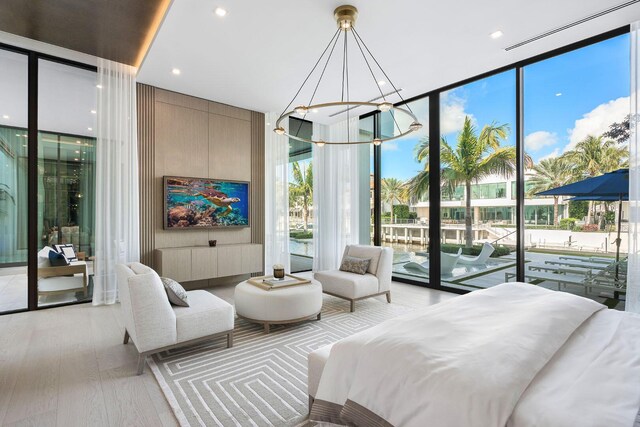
x=481, y=360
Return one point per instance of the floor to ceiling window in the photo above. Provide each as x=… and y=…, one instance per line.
x=573, y=124
x=576, y=119
x=66, y=179
x=403, y=188
x=13, y=181
x=300, y=196
x=478, y=167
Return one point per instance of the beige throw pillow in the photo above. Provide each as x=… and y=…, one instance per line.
x=175, y=292
x=355, y=265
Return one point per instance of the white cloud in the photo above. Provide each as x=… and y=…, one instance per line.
x=597, y=121
x=551, y=155
x=540, y=139
x=390, y=146
x=453, y=114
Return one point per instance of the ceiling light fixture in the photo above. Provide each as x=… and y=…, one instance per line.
x=5, y=117
x=94, y=112
x=496, y=34
x=89, y=129
x=99, y=86
x=220, y=12
x=175, y=71
x=345, y=17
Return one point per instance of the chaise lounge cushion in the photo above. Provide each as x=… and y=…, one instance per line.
x=206, y=315
x=348, y=285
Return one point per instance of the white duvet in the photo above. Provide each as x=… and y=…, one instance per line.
x=502, y=356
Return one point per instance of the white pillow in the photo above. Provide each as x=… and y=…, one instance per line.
x=43, y=257
x=140, y=268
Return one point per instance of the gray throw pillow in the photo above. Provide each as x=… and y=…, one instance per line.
x=175, y=292
x=355, y=265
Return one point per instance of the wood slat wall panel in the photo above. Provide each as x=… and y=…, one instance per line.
x=187, y=136
x=146, y=160
x=257, y=180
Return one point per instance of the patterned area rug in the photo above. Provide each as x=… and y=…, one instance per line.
x=262, y=380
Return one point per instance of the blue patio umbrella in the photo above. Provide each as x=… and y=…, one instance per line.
x=610, y=187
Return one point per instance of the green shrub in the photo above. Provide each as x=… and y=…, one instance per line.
x=610, y=217
x=578, y=209
x=301, y=234
x=568, y=223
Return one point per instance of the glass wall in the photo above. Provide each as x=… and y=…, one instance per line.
x=572, y=102
x=404, y=188
x=300, y=196
x=66, y=180
x=477, y=163
x=13, y=181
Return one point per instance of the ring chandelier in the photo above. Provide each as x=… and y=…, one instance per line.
x=346, y=17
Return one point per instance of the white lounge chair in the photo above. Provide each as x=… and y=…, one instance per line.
x=447, y=263
x=485, y=253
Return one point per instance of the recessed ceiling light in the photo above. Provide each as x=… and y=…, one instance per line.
x=99, y=86
x=75, y=160
x=220, y=11
x=5, y=116
x=496, y=34
x=175, y=71
x=268, y=124
x=382, y=83
x=89, y=129
x=94, y=112
x=315, y=110
x=559, y=94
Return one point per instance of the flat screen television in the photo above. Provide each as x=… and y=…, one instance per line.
x=196, y=203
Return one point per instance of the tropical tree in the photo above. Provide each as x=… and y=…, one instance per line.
x=301, y=189
x=594, y=156
x=392, y=191
x=475, y=156
x=548, y=174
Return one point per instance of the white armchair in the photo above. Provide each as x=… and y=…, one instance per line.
x=353, y=287
x=155, y=325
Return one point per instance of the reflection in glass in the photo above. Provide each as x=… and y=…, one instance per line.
x=66, y=182
x=13, y=181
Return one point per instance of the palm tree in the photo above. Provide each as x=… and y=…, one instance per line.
x=594, y=156
x=548, y=174
x=302, y=189
x=393, y=191
x=475, y=156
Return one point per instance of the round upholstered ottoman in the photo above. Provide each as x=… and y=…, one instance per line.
x=278, y=306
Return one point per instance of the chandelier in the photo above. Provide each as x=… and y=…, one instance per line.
x=346, y=18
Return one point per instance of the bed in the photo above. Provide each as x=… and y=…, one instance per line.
x=514, y=355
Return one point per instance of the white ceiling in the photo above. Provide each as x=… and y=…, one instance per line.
x=257, y=56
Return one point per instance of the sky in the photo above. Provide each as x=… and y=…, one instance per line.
x=567, y=97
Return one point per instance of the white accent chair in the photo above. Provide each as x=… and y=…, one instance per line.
x=482, y=258
x=353, y=287
x=155, y=325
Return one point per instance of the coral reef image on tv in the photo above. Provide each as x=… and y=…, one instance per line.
x=205, y=203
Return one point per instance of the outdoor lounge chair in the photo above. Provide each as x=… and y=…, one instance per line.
x=485, y=253
x=447, y=263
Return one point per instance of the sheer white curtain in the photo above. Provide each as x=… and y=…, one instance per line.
x=336, y=193
x=117, y=206
x=276, y=195
x=633, y=278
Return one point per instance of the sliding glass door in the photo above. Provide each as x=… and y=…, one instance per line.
x=66, y=179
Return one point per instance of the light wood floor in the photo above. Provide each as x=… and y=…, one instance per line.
x=68, y=367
